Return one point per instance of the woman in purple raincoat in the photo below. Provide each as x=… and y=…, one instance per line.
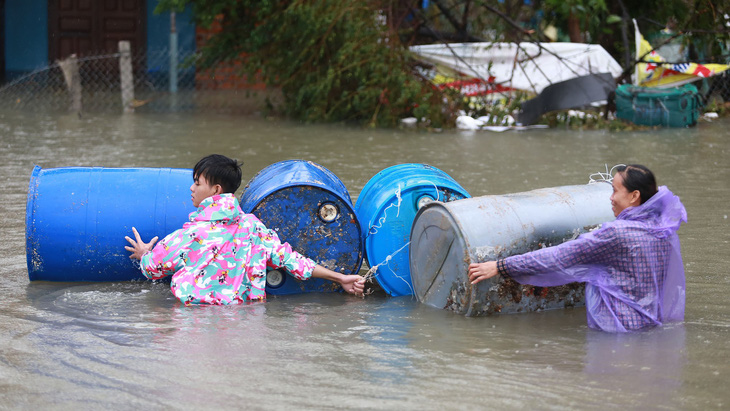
x=632, y=266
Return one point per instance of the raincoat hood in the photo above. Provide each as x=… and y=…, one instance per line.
x=663, y=210
x=222, y=207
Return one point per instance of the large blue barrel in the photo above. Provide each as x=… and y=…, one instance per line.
x=310, y=208
x=77, y=217
x=387, y=206
x=447, y=237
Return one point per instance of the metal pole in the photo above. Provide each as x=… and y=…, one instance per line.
x=173, y=54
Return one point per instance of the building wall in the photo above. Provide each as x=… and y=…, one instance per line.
x=26, y=36
x=158, y=41
x=224, y=76
x=2, y=41
x=158, y=29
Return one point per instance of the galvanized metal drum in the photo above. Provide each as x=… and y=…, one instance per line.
x=76, y=218
x=387, y=206
x=447, y=237
x=310, y=208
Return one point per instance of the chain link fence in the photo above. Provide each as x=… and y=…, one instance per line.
x=96, y=84
x=98, y=87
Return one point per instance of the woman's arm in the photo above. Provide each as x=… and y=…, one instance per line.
x=591, y=248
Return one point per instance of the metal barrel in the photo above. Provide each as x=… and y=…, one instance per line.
x=387, y=206
x=77, y=217
x=447, y=237
x=310, y=208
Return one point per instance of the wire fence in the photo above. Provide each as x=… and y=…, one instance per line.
x=100, y=88
x=219, y=89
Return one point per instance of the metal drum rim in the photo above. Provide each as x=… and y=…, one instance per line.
x=458, y=228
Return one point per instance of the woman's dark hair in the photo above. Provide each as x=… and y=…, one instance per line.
x=219, y=169
x=638, y=177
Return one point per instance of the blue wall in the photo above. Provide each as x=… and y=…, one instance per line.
x=26, y=36
x=158, y=30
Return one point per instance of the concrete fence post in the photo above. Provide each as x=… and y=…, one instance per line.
x=70, y=69
x=126, y=76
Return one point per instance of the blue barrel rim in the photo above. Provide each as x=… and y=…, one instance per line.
x=258, y=197
x=378, y=177
x=29, y=211
x=378, y=195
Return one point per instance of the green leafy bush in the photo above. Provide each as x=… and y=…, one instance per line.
x=332, y=60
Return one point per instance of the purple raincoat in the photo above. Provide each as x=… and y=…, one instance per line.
x=632, y=266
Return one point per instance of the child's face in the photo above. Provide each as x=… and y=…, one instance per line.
x=201, y=189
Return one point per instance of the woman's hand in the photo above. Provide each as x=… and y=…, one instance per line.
x=139, y=247
x=482, y=271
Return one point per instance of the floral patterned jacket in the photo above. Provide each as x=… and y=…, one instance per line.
x=220, y=256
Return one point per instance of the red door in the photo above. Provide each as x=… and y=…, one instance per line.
x=91, y=27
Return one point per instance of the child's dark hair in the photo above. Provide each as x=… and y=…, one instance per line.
x=219, y=169
x=638, y=177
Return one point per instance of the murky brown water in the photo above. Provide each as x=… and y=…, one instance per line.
x=132, y=346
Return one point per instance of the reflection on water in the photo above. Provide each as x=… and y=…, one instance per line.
x=649, y=363
x=132, y=345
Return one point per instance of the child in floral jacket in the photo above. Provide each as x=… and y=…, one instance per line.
x=220, y=256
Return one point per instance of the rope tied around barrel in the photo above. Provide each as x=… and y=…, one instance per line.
x=381, y=220
x=606, y=176
x=372, y=273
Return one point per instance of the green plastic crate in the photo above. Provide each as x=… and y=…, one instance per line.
x=672, y=107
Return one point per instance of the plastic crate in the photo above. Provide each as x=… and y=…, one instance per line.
x=674, y=107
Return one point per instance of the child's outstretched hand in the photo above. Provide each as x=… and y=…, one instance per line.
x=139, y=247
x=353, y=284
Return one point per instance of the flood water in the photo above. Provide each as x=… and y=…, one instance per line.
x=131, y=345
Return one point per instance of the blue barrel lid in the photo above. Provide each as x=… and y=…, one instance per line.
x=387, y=206
x=310, y=208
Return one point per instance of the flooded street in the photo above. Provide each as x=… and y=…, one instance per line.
x=132, y=345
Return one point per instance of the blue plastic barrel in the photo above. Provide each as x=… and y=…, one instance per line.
x=387, y=206
x=77, y=217
x=310, y=208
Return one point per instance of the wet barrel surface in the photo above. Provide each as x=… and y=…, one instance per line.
x=310, y=208
x=77, y=217
x=387, y=206
x=447, y=237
